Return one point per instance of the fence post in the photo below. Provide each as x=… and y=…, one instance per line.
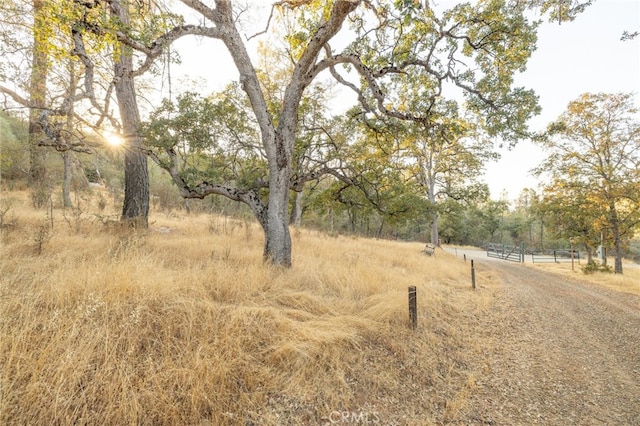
x=413, y=307
x=473, y=276
x=571, y=248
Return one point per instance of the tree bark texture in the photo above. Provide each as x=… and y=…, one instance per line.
x=430, y=180
x=66, y=181
x=37, y=94
x=67, y=156
x=277, y=247
x=434, y=229
x=296, y=211
x=135, y=210
x=617, y=243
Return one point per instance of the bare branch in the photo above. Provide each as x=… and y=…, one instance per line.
x=626, y=35
x=268, y=23
x=79, y=51
x=205, y=10
x=16, y=97
x=158, y=45
x=58, y=138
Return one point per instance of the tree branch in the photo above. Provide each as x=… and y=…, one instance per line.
x=247, y=196
x=16, y=97
x=268, y=23
x=80, y=52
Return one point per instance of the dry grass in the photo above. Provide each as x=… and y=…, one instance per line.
x=183, y=324
x=628, y=282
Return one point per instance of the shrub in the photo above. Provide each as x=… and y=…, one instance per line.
x=593, y=267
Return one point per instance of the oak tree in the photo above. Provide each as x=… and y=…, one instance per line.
x=594, y=149
x=475, y=49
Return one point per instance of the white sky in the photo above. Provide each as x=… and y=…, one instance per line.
x=573, y=58
x=585, y=55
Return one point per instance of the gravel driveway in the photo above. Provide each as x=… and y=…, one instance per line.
x=559, y=352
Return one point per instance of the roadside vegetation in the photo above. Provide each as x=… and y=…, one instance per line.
x=629, y=282
x=183, y=324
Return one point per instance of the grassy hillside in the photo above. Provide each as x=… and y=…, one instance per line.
x=184, y=324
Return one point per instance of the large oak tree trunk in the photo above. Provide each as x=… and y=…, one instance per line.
x=66, y=181
x=435, y=237
x=135, y=209
x=277, y=246
x=37, y=154
x=37, y=94
x=431, y=182
x=278, y=143
x=617, y=243
x=67, y=155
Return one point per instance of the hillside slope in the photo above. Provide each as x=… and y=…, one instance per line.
x=184, y=324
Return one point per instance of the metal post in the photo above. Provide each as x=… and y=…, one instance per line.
x=473, y=276
x=413, y=307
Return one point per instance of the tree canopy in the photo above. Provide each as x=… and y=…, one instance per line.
x=594, y=165
x=404, y=60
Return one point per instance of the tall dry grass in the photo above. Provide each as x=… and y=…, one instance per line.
x=627, y=282
x=184, y=324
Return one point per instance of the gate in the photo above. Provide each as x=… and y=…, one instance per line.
x=505, y=252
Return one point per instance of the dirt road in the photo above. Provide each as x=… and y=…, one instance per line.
x=559, y=352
